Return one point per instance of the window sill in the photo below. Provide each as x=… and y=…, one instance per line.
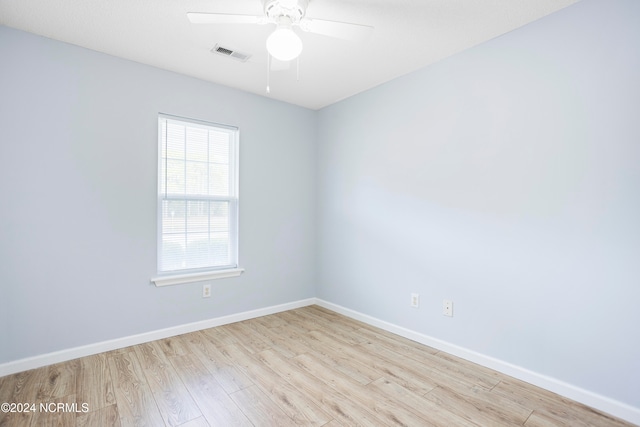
x=177, y=279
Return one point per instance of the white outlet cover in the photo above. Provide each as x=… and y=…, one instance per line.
x=447, y=308
x=415, y=300
x=206, y=291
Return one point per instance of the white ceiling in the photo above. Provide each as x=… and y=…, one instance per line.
x=409, y=34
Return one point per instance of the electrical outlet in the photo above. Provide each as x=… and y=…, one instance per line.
x=206, y=290
x=415, y=300
x=447, y=308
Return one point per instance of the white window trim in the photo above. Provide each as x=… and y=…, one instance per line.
x=198, y=276
x=177, y=279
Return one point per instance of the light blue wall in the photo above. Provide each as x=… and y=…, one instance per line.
x=78, y=154
x=507, y=179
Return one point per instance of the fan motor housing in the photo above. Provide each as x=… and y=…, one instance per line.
x=293, y=9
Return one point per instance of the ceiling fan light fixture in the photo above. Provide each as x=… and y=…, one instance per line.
x=284, y=44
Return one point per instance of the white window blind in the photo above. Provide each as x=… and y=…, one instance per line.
x=197, y=196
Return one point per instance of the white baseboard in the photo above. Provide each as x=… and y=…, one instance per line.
x=594, y=400
x=90, y=349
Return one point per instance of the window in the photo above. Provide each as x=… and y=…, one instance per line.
x=197, y=200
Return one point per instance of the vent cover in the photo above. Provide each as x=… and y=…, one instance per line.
x=227, y=51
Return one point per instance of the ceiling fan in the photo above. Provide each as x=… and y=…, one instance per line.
x=283, y=43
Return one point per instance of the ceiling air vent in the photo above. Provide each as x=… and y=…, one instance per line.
x=225, y=51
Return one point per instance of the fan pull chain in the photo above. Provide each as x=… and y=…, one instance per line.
x=268, y=72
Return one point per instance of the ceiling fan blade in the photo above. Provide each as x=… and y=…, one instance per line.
x=222, y=18
x=340, y=30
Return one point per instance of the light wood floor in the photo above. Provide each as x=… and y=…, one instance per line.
x=308, y=366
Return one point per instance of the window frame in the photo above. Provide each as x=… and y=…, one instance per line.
x=187, y=275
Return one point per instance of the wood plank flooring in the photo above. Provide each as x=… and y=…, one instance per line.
x=309, y=366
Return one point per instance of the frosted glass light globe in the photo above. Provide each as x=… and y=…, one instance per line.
x=283, y=44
